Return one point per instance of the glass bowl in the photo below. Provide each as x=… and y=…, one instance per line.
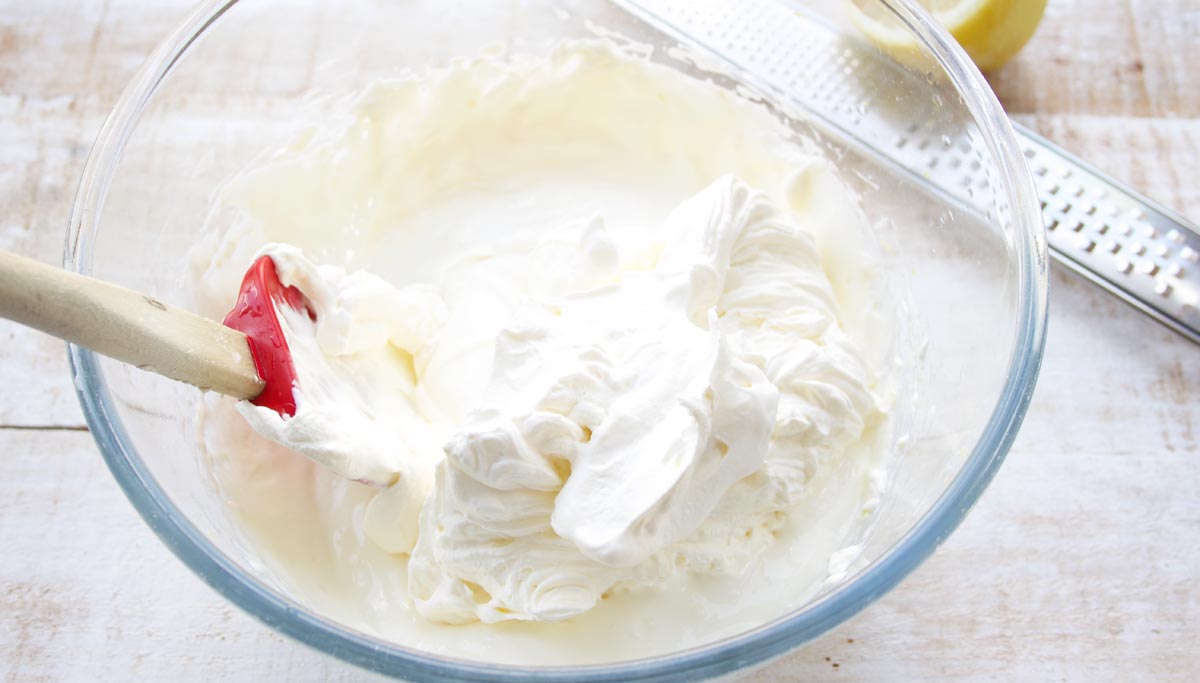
x=921, y=140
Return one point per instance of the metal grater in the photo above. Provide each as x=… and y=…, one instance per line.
x=1142, y=252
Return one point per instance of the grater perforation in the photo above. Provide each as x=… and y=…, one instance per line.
x=1102, y=229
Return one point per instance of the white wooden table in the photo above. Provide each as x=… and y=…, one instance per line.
x=1081, y=563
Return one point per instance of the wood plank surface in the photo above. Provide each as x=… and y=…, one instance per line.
x=1081, y=562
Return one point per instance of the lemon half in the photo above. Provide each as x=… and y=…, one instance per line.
x=991, y=31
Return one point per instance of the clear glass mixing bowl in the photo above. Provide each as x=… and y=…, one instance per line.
x=926, y=146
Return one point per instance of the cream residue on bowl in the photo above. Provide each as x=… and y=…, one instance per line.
x=586, y=257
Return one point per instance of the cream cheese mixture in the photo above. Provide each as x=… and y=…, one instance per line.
x=592, y=354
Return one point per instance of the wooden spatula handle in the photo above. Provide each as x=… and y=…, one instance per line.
x=128, y=326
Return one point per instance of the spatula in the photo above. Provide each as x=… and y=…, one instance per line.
x=247, y=357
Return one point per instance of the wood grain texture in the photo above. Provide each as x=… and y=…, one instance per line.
x=1129, y=58
x=88, y=593
x=1081, y=562
x=128, y=326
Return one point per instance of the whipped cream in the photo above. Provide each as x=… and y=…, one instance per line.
x=623, y=413
x=602, y=373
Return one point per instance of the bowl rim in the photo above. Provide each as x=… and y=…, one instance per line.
x=714, y=659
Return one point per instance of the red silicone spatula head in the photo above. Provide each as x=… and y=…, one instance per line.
x=254, y=316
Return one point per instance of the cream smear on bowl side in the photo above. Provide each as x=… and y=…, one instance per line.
x=613, y=336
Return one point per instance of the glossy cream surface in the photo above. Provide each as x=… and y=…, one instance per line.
x=598, y=342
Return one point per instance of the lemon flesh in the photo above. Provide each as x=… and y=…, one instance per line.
x=991, y=31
